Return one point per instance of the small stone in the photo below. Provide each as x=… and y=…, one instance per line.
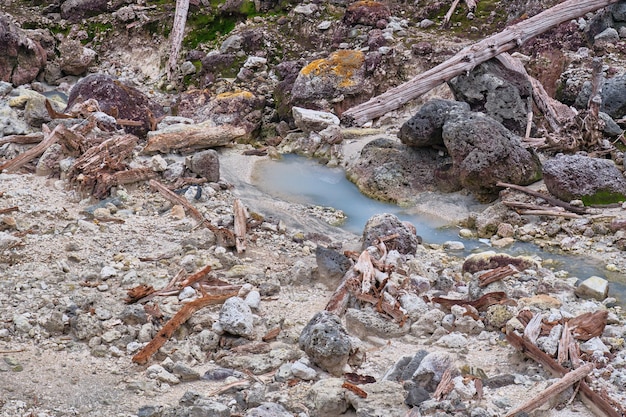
x=302, y=371
x=108, y=272
x=593, y=287
x=236, y=317
x=102, y=313
x=453, y=245
x=253, y=299
x=453, y=340
x=185, y=373
x=187, y=292
x=326, y=342
x=161, y=374
x=466, y=233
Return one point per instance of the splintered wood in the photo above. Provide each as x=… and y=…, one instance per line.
x=366, y=281
x=175, y=322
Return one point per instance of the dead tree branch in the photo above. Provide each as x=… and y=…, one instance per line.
x=469, y=57
x=178, y=32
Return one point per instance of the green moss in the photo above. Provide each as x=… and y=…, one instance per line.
x=603, y=197
x=205, y=28
x=95, y=30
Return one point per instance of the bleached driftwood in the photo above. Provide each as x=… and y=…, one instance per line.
x=178, y=33
x=469, y=57
x=203, y=135
x=544, y=396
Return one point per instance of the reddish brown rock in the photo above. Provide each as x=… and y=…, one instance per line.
x=21, y=58
x=119, y=101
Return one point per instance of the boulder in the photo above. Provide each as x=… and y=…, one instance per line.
x=75, y=59
x=390, y=171
x=426, y=126
x=580, y=177
x=326, y=342
x=331, y=266
x=500, y=93
x=485, y=152
x=22, y=58
x=333, y=83
x=118, y=100
x=237, y=108
x=386, y=224
x=613, y=93
x=206, y=164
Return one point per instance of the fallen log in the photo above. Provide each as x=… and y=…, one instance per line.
x=594, y=401
x=469, y=57
x=543, y=397
x=175, y=322
x=182, y=137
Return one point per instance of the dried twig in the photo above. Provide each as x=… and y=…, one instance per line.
x=9, y=209
x=445, y=385
x=549, y=199
x=175, y=322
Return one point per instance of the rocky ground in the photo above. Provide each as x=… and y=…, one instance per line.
x=67, y=260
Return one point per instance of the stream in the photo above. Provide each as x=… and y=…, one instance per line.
x=301, y=180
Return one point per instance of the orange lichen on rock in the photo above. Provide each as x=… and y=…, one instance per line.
x=235, y=94
x=342, y=64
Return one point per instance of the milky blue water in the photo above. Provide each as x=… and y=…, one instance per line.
x=301, y=180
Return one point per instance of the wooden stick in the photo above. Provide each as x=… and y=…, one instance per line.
x=595, y=402
x=23, y=139
x=568, y=379
x=549, y=199
x=19, y=161
x=9, y=209
x=549, y=213
x=471, y=56
x=176, y=199
x=241, y=218
x=446, y=18
x=175, y=322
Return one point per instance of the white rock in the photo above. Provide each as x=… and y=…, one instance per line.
x=313, y=120
x=593, y=287
x=302, y=371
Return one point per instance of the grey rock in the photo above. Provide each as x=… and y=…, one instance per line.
x=384, y=398
x=611, y=128
x=607, y=35
x=386, y=224
x=236, y=318
x=454, y=340
x=485, y=152
x=326, y=342
x=74, y=58
x=366, y=323
x=328, y=398
x=22, y=323
x=331, y=266
x=404, y=369
x=134, y=314
x=425, y=127
x=206, y=164
x=580, y=177
x=208, y=407
x=300, y=370
x=185, y=373
x=431, y=368
x=415, y=395
x=268, y=410
x=161, y=374
x=613, y=93
x=84, y=326
x=500, y=93
x=394, y=172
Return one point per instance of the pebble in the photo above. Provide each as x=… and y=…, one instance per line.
x=303, y=371
x=236, y=318
x=454, y=245
x=108, y=272
x=186, y=293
